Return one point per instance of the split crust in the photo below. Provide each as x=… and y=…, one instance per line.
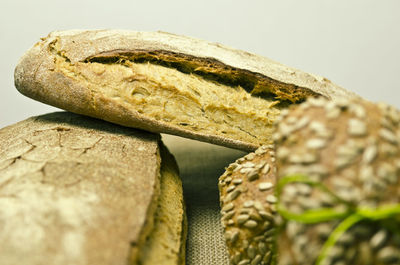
x=167, y=83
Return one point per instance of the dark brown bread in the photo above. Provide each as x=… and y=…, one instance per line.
x=75, y=190
x=162, y=82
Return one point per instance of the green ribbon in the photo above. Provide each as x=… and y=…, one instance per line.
x=389, y=215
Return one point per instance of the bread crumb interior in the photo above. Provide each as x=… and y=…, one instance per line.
x=165, y=245
x=185, y=100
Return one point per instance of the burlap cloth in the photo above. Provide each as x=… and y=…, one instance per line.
x=200, y=166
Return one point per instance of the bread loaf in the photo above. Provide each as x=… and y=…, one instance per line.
x=247, y=191
x=75, y=190
x=339, y=162
x=167, y=83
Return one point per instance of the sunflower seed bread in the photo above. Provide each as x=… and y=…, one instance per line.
x=247, y=201
x=75, y=190
x=167, y=83
x=351, y=147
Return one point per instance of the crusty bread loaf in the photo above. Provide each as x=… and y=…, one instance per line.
x=247, y=207
x=75, y=190
x=162, y=82
x=351, y=148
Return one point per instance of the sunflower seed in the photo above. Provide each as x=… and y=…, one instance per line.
x=234, y=237
x=267, y=257
x=302, y=123
x=260, y=151
x=366, y=173
x=282, y=153
x=245, y=244
x=258, y=205
x=244, y=262
x=291, y=119
x=248, y=164
x=388, y=136
x=262, y=247
x=250, y=224
x=256, y=260
x=237, y=181
x=336, y=252
x=346, y=239
x=236, y=258
x=241, y=219
x=324, y=230
x=378, y=239
x=316, y=143
x=263, y=186
x=232, y=196
x=230, y=188
x=246, y=170
x=272, y=199
x=333, y=113
x=285, y=130
x=369, y=154
x=357, y=127
x=303, y=189
x=253, y=175
x=248, y=204
x=317, y=102
x=250, y=156
x=307, y=158
x=228, y=215
x=251, y=252
x=245, y=211
x=258, y=238
x=261, y=164
x=387, y=172
x=227, y=207
x=358, y=110
x=266, y=168
x=389, y=255
x=228, y=180
x=255, y=216
x=265, y=215
x=232, y=166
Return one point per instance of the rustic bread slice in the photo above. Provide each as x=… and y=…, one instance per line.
x=75, y=190
x=162, y=82
x=351, y=147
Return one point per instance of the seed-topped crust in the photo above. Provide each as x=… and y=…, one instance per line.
x=352, y=148
x=247, y=207
x=166, y=83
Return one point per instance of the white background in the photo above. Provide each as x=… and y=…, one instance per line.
x=355, y=43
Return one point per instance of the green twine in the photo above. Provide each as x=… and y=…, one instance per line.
x=350, y=214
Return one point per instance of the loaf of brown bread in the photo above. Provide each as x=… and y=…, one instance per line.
x=75, y=190
x=338, y=166
x=167, y=83
x=247, y=197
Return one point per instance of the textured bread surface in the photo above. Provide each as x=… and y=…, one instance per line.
x=166, y=243
x=74, y=190
x=352, y=148
x=166, y=83
x=248, y=207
